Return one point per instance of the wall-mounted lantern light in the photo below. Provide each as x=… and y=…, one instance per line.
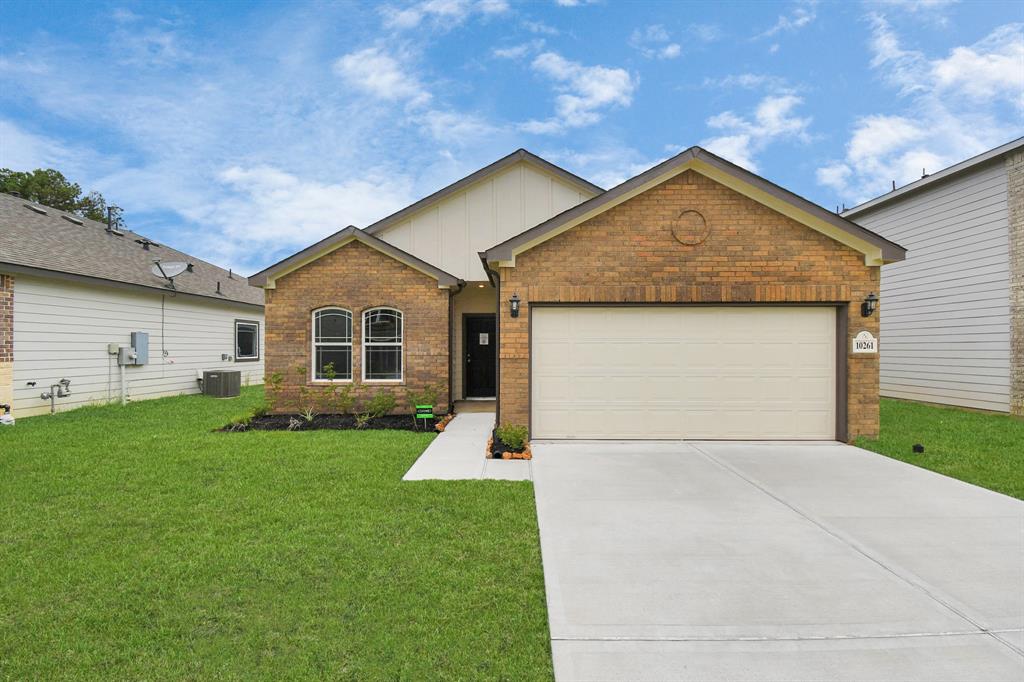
x=514, y=305
x=867, y=308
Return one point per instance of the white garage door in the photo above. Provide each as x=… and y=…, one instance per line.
x=696, y=372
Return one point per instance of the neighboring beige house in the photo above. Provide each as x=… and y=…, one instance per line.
x=953, y=311
x=72, y=291
x=695, y=300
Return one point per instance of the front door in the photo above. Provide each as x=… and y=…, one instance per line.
x=480, y=356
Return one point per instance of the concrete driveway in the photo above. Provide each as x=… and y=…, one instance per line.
x=745, y=561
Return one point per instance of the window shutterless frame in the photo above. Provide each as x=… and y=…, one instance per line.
x=331, y=335
x=247, y=327
x=383, y=352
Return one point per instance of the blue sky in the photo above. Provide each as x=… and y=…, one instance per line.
x=242, y=132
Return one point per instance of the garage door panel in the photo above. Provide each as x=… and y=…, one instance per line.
x=683, y=372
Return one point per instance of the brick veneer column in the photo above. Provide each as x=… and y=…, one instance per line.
x=629, y=254
x=1015, y=203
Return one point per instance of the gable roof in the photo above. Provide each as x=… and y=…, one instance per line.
x=876, y=249
x=45, y=241
x=944, y=174
x=485, y=172
x=268, y=276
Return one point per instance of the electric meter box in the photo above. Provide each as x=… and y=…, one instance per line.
x=140, y=343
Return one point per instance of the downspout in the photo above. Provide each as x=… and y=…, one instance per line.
x=495, y=279
x=451, y=342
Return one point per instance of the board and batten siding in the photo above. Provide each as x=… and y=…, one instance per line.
x=945, y=310
x=451, y=232
x=61, y=330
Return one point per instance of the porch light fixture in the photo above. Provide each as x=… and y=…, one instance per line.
x=514, y=305
x=867, y=308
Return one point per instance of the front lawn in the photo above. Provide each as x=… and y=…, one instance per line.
x=978, y=447
x=136, y=543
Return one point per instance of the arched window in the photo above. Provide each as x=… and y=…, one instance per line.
x=332, y=344
x=382, y=345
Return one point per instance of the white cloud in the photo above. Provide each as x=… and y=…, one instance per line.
x=518, y=51
x=607, y=164
x=539, y=27
x=462, y=128
x=278, y=144
x=802, y=15
x=574, y=3
x=751, y=81
x=584, y=92
x=444, y=13
x=705, y=33
x=991, y=68
x=654, y=41
x=380, y=74
x=956, y=106
x=743, y=138
x=262, y=206
x=492, y=6
x=22, y=150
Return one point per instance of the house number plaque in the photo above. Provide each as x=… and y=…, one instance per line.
x=864, y=342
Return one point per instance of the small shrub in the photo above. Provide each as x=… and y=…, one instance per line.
x=335, y=398
x=427, y=396
x=304, y=392
x=309, y=414
x=274, y=386
x=513, y=435
x=381, y=404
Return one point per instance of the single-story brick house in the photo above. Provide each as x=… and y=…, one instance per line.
x=695, y=300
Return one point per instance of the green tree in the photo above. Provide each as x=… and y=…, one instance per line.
x=49, y=187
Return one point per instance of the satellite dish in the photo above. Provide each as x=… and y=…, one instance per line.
x=168, y=270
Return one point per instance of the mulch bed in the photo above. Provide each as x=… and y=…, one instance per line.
x=499, y=450
x=338, y=422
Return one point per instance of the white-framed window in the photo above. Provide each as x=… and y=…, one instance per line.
x=247, y=341
x=332, y=344
x=382, y=344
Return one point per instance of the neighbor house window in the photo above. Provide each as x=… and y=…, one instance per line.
x=382, y=345
x=247, y=340
x=332, y=344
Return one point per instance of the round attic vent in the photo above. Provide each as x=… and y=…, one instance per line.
x=690, y=228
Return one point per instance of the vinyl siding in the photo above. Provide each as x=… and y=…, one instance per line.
x=451, y=232
x=61, y=330
x=945, y=310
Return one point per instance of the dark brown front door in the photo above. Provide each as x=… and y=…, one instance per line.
x=480, y=352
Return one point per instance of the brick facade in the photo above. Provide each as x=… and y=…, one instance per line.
x=1015, y=204
x=6, y=339
x=629, y=254
x=357, y=277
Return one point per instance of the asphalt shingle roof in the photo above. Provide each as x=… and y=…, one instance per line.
x=49, y=241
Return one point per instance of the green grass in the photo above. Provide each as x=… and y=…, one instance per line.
x=136, y=543
x=978, y=447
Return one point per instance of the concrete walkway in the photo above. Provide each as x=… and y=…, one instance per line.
x=744, y=561
x=459, y=453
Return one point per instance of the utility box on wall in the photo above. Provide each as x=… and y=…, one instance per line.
x=222, y=384
x=140, y=342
